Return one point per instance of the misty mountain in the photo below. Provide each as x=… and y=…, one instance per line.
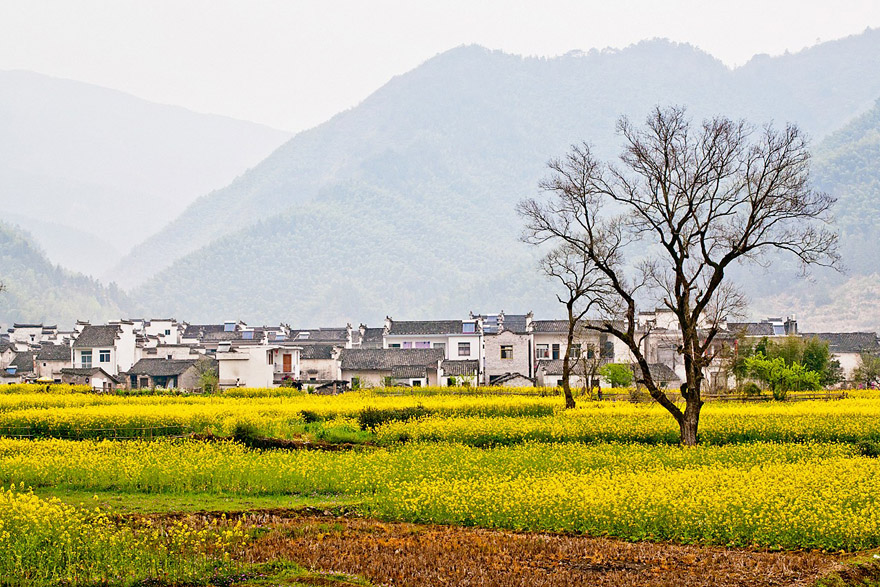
x=39, y=291
x=405, y=204
x=109, y=165
x=847, y=166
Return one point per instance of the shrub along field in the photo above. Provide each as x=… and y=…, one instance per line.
x=777, y=475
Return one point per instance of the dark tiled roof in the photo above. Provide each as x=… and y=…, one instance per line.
x=89, y=372
x=459, y=368
x=554, y=366
x=95, y=336
x=515, y=323
x=847, y=342
x=320, y=334
x=409, y=371
x=4, y=345
x=317, y=351
x=751, y=328
x=385, y=359
x=372, y=335
x=508, y=377
x=54, y=352
x=425, y=327
x=161, y=367
x=203, y=331
x=17, y=325
x=24, y=362
x=561, y=325
x=659, y=372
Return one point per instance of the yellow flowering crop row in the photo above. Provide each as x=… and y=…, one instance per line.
x=474, y=420
x=848, y=420
x=774, y=495
x=83, y=415
x=45, y=541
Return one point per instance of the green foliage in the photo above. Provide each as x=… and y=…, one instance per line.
x=209, y=377
x=37, y=291
x=810, y=353
x=750, y=388
x=618, y=374
x=780, y=377
x=369, y=418
x=868, y=371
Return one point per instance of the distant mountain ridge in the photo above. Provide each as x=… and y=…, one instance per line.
x=108, y=164
x=405, y=204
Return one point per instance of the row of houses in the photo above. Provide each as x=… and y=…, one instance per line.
x=482, y=349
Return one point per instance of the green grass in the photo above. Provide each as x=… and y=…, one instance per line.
x=293, y=575
x=125, y=502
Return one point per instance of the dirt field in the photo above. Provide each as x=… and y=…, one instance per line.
x=409, y=554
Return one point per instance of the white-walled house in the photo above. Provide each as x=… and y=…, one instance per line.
x=454, y=373
x=95, y=377
x=111, y=347
x=379, y=367
x=166, y=329
x=51, y=359
x=319, y=363
x=551, y=338
x=460, y=340
x=506, y=353
x=175, y=352
x=257, y=365
x=31, y=334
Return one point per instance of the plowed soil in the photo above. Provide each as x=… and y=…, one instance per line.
x=411, y=554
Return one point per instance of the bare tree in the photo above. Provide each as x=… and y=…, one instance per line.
x=581, y=281
x=685, y=203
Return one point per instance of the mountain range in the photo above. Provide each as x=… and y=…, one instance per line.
x=405, y=204
x=90, y=172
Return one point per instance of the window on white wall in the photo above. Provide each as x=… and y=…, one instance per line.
x=86, y=359
x=464, y=349
x=104, y=356
x=507, y=351
x=542, y=351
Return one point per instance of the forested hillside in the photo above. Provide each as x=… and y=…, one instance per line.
x=38, y=291
x=405, y=204
x=847, y=165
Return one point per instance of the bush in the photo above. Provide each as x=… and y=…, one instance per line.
x=751, y=389
x=638, y=395
x=618, y=374
x=309, y=416
x=246, y=433
x=868, y=448
x=370, y=418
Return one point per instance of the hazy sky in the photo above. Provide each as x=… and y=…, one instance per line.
x=294, y=64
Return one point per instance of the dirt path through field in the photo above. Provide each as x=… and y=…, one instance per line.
x=410, y=554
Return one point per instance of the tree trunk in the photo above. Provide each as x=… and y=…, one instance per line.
x=566, y=385
x=566, y=360
x=689, y=422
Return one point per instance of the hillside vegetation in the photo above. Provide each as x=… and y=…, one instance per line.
x=405, y=204
x=38, y=291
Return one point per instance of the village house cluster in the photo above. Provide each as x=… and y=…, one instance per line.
x=482, y=349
